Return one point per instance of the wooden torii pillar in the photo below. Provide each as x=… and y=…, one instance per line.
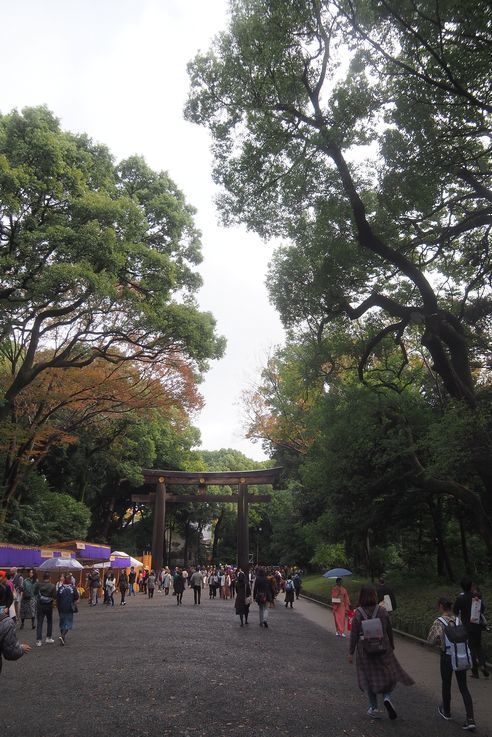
x=242, y=479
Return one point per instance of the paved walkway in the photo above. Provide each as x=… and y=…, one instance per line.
x=152, y=669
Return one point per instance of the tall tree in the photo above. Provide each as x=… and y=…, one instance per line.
x=295, y=96
x=97, y=258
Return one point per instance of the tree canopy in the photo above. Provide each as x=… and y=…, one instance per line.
x=99, y=324
x=360, y=133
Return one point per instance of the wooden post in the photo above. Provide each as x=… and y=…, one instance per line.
x=159, y=525
x=242, y=528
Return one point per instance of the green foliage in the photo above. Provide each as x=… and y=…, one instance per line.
x=329, y=556
x=360, y=134
x=45, y=516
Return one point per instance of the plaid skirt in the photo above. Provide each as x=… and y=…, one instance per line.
x=380, y=673
x=27, y=608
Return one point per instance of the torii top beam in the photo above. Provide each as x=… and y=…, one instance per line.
x=215, y=478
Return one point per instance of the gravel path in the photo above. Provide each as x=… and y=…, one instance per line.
x=152, y=669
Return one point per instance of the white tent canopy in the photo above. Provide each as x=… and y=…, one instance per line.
x=114, y=557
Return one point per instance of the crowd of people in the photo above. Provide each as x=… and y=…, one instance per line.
x=456, y=631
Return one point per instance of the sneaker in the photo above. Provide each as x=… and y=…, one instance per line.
x=441, y=711
x=374, y=713
x=49, y=639
x=62, y=641
x=390, y=708
x=469, y=725
x=38, y=643
x=343, y=634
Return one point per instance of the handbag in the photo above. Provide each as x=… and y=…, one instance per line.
x=75, y=608
x=248, y=600
x=261, y=598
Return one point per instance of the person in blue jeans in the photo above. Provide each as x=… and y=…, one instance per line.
x=45, y=593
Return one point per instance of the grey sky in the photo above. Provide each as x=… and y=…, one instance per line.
x=116, y=69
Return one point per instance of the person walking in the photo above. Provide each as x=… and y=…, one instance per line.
x=213, y=582
x=386, y=595
x=166, y=581
x=289, y=592
x=340, y=602
x=94, y=586
x=17, y=581
x=123, y=587
x=28, y=600
x=66, y=601
x=469, y=607
x=110, y=587
x=296, y=580
x=10, y=647
x=262, y=594
x=196, y=582
x=178, y=583
x=151, y=579
x=132, y=577
x=436, y=636
x=243, y=597
x=377, y=673
x=45, y=593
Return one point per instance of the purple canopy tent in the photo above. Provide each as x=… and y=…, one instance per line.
x=25, y=556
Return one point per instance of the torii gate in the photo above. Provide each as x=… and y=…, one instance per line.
x=241, y=479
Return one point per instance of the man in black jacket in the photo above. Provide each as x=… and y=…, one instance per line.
x=462, y=609
x=384, y=590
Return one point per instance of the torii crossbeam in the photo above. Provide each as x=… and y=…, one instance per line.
x=162, y=479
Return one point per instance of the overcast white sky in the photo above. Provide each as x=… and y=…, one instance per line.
x=116, y=69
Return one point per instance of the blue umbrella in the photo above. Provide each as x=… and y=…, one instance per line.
x=337, y=573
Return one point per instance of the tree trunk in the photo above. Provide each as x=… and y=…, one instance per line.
x=171, y=528
x=215, y=545
x=464, y=547
x=186, y=543
x=109, y=517
x=443, y=560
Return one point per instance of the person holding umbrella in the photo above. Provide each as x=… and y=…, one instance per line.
x=341, y=603
x=339, y=598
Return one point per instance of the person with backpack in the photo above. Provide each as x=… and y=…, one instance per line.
x=296, y=580
x=289, y=592
x=66, y=602
x=371, y=638
x=455, y=658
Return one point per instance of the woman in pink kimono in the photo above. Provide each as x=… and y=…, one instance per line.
x=340, y=602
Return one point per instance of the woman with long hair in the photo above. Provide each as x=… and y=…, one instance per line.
x=243, y=594
x=378, y=671
x=262, y=594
